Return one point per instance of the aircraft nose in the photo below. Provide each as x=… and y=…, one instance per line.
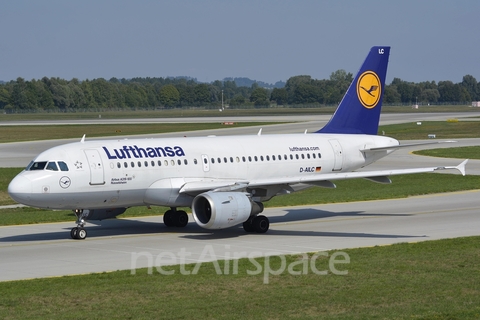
x=20, y=189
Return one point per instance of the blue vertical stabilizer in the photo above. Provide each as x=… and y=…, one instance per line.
x=359, y=110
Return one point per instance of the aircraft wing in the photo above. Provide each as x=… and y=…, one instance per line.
x=381, y=176
x=377, y=176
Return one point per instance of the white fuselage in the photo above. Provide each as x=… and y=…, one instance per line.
x=136, y=172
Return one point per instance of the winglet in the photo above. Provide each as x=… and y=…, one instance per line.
x=461, y=167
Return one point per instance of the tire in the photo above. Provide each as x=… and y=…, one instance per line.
x=181, y=219
x=81, y=234
x=248, y=226
x=74, y=233
x=168, y=218
x=261, y=224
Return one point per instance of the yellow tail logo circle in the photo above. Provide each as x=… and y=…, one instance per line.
x=369, y=89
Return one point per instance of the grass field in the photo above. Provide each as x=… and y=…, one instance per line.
x=442, y=130
x=32, y=133
x=459, y=153
x=202, y=112
x=406, y=131
x=428, y=280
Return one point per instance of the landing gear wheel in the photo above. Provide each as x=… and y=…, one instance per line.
x=81, y=234
x=248, y=225
x=261, y=224
x=74, y=232
x=78, y=233
x=168, y=218
x=181, y=219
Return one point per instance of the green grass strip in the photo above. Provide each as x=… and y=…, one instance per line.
x=460, y=152
x=428, y=280
x=441, y=129
x=33, y=133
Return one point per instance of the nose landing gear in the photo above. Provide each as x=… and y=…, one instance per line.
x=79, y=232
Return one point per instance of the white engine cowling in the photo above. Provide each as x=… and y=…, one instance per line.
x=220, y=210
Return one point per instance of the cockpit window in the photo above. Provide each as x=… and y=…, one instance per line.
x=63, y=166
x=52, y=166
x=47, y=165
x=29, y=166
x=38, y=165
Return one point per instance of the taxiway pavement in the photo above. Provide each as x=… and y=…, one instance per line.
x=44, y=250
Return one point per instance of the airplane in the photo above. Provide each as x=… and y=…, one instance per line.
x=223, y=179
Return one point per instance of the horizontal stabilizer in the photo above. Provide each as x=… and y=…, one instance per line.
x=398, y=146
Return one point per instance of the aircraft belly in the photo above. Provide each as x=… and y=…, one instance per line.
x=87, y=200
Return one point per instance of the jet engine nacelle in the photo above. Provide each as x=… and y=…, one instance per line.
x=220, y=210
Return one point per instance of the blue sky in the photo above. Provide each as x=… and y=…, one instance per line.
x=264, y=40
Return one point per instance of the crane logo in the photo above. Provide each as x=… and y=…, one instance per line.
x=369, y=89
x=65, y=182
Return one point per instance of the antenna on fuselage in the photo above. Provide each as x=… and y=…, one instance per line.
x=259, y=132
x=83, y=139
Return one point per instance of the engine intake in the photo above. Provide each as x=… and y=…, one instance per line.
x=220, y=210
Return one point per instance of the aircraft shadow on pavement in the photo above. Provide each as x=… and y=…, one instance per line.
x=124, y=227
x=310, y=214
x=295, y=215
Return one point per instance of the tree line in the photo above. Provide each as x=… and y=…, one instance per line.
x=55, y=94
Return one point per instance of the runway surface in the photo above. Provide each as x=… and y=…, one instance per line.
x=44, y=250
x=32, y=251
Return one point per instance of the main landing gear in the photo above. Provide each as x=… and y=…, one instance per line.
x=174, y=218
x=79, y=232
x=259, y=224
